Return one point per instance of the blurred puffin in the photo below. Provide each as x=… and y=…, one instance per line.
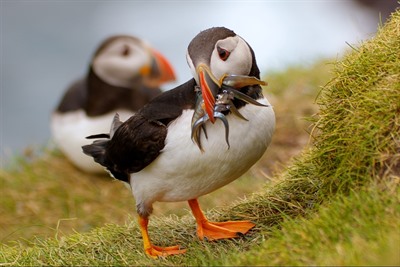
x=194, y=139
x=124, y=74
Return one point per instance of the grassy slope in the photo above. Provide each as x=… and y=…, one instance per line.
x=361, y=228
x=45, y=195
x=336, y=204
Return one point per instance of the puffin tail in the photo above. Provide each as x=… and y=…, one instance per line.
x=98, y=148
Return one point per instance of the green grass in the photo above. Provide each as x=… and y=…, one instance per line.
x=336, y=204
x=361, y=228
x=44, y=195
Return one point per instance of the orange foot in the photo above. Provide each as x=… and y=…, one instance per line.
x=221, y=230
x=156, y=251
x=217, y=230
x=149, y=248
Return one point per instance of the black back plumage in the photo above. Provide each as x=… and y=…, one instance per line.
x=105, y=97
x=139, y=140
x=74, y=98
x=97, y=97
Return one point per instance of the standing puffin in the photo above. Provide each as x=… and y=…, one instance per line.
x=124, y=74
x=194, y=139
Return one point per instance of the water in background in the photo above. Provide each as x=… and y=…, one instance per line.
x=45, y=45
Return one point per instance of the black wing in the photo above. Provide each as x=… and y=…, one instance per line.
x=135, y=144
x=138, y=141
x=170, y=104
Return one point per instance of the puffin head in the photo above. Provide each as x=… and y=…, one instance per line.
x=122, y=60
x=214, y=54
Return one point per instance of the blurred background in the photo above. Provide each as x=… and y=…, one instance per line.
x=45, y=45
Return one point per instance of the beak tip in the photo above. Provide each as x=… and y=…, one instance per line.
x=208, y=89
x=211, y=118
x=165, y=67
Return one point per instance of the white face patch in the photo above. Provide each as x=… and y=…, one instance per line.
x=192, y=67
x=121, y=61
x=239, y=61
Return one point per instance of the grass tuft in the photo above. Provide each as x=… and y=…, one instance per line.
x=336, y=204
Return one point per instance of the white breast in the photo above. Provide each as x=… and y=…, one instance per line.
x=70, y=129
x=183, y=172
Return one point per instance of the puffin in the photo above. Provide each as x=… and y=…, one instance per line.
x=124, y=74
x=193, y=139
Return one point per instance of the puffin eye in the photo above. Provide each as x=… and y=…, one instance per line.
x=223, y=53
x=125, y=51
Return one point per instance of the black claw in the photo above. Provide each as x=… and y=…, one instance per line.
x=240, y=234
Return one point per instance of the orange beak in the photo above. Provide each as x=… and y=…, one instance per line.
x=167, y=73
x=209, y=86
x=159, y=71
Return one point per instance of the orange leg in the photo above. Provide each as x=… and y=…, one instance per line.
x=217, y=230
x=150, y=249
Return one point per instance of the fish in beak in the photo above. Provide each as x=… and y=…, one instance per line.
x=216, y=96
x=209, y=87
